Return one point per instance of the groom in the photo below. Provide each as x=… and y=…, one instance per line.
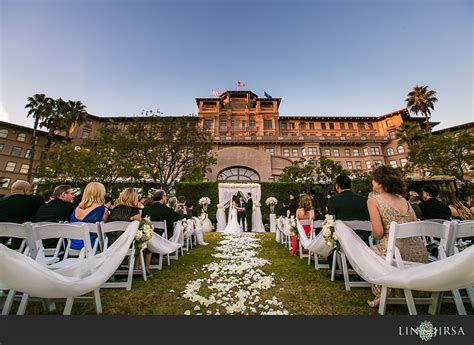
x=241, y=207
x=248, y=212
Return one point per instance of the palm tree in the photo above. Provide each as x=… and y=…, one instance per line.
x=420, y=100
x=75, y=117
x=55, y=121
x=409, y=132
x=40, y=109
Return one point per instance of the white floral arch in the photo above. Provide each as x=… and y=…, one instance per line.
x=227, y=191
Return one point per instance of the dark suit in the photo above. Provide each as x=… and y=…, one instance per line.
x=348, y=205
x=248, y=213
x=241, y=214
x=159, y=212
x=435, y=209
x=19, y=208
x=55, y=211
x=293, y=206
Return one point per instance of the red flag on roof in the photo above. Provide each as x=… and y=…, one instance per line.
x=240, y=84
x=215, y=93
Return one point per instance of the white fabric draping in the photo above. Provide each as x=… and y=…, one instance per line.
x=199, y=232
x=21, y=273
x=454, y=272
x=207, y=224
x=317, y=245
x=272, y=222
x=228, y=190
x=220, y=217
x=160, y=245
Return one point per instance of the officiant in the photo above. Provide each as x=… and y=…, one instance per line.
x=241, y=211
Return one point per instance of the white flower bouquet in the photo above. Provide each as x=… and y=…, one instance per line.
x=329, y=232
x=204, y=202
x=143, y=235
x=271, y=201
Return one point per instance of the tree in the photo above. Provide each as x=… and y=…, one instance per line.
x=326, y=172
x=166, y=148
x=421, y=100
x=444, y=154
x=74, y=116
x=361, y=182
x=54, y=122
x=302, y=172
x=409, y=133
x=39, y=108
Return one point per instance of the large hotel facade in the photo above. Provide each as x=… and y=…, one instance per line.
x=253, y=142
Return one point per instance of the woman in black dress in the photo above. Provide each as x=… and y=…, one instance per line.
x=125, y=210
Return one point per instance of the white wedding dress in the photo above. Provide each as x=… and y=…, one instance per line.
x=233, y=225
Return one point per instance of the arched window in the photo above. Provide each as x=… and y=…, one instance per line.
x=21, y=137
x=389, y=151
x=238, y=174
x=401, y=149
x=3, y=133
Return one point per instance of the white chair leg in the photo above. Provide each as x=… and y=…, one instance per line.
x=458, y=301
x=470, y=293
x=383, y=300
x=333, y=268
x=436, y=300
x=410, y=302
x=68, y=306
x=168, y=257
x=316, y=262
x=300, y=247
x=160, y=262
x=48, y=305
x=345, y=272
x=23, y=303
x=97, y=301
x=8, y=302
x=142, y=263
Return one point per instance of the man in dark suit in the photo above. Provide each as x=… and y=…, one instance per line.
x=292, y=205
x=241, y=206
x=432, y=208
x=60, y=208
x=158, y=211
x=249, y=212
x=19, y=207
x=347, y=205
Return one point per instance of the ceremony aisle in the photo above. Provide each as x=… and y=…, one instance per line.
x=301, y=289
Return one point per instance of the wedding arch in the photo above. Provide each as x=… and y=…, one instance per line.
x=227, y=191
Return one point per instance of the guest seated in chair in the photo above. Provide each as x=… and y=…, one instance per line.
x=60, y=208
x=458, y=210
x=158, y=211
x=432, y=208
x=304, y=212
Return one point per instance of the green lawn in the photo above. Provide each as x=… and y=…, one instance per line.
x=301, y=288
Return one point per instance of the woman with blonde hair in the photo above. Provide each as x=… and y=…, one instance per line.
x=91, y=209
x=304, y=212
x=125, y=210
x=458, y=210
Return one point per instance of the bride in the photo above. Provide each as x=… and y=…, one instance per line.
x=233, y=225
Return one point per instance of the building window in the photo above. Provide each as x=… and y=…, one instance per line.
x=311, y=125
x=393, y=164
x=323, y=125
x=374, y=150
x=389, y=123
x=303, y=151
x=238, y=174
x=85, y=134
x=327, y=152
x=336, y=152
x=270, y=151
x=223, y=123
x=370, y=125
x=358, y=165
x=295, y=152
x=1, y=147
x=347, y=152
x=5, y=182
x=377, y=163
x=366, y=151
x=291, y=125
x=283, y=125
x=361, y=125
x=367, y=164
x=207, y=124
x=10, y=166
x=24, y=168
x=16, y=151
x=303, y=125
x=401, y=149
x=267, y=124
x=244, y=123
x=331, y=125
x=355, y=152
x=286, y=152
x=403, y=162
x=21, y=137
x=3, y=133
x=252, y=123
x=312, y=151
x=342, y=125
x=350, y=125
x=28, y=153
x=349, y=165
x=232, y=123
x=389, y=151
x=393, y=135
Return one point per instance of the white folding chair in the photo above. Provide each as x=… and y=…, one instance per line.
x=340, y=257
x=317, y=224
x=66, y=231
x=305, y=222
x=393, y=257
x=91, y=228
x=106, y=228
x=161, y=225
x=28, y=247
x=53, y=255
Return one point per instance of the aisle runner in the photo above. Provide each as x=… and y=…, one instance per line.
x=235, y=281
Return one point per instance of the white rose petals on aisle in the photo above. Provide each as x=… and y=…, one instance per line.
x=234, y=281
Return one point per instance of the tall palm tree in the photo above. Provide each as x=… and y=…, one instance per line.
x=410, y=133
x=75, y=117
x=55, y=121
x=421, y=100
x=40, y=108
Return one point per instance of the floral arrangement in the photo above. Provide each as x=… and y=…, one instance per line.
x=204, y=202
x=329, y=232
x=279, y=222
x=292, y=225
x=143, y=235
x=271, y=201
x=256, y=205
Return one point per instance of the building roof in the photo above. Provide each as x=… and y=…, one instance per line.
x=455, y=128
x=14, y=125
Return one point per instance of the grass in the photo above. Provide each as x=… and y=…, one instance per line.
x=302, y=289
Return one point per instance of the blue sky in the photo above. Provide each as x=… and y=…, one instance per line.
x=321, y=57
